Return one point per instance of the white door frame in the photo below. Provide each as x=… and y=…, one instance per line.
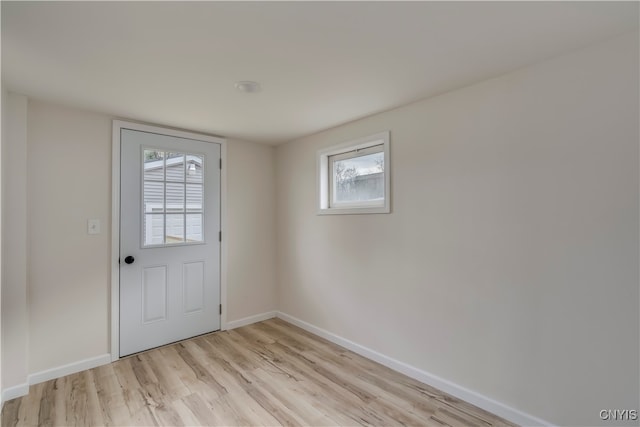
x=115, y=220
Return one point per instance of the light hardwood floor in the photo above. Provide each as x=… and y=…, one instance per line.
x=269, y=373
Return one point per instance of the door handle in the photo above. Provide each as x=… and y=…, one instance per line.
x=129, y=259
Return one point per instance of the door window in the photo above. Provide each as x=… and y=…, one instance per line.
x=173, y=195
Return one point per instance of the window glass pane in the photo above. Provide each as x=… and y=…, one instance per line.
x=153, y=229
x=175, y=228
x=154, y=165
x=153, y=196
x=175, y=197
x=166, y=194
x=194, y=228
x=175, y=167
x=358, y=179
x=194, y=168
x=194, y=197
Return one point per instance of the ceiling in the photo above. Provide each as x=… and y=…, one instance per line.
x=320, y=64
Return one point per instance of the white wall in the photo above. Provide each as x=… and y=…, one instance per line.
x=3, y=138
x=14, y=247
x=251, y=234
x=68, y=170
x=509, y=263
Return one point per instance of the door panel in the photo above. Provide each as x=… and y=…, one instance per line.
x=154, y=294
x=169, y=224
x=193, y=283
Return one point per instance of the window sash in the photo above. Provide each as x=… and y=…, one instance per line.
x=351, y=154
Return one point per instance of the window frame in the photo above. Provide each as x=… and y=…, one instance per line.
x=355, y=148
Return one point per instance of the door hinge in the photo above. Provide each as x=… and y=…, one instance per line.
x=220, y=162
x=219, y=236
x=220, y=308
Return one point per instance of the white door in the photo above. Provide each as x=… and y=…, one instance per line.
x=169, y=239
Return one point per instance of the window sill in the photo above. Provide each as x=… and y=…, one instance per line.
x=354, y=211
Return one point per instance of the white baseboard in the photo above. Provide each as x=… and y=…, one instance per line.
x=470, y=396
x=69, y=369
x=15, y=391
x=446, y=386
x=251, y=319
x=82, y=365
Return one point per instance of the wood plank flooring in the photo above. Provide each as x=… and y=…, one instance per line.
x=266, y=374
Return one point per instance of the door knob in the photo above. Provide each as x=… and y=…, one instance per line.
x=129, y=259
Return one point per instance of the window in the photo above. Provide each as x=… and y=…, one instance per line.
x=354, y=177
x=172, y=198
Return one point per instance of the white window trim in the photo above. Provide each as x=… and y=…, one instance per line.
x=323, y=177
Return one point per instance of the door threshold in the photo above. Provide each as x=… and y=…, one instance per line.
x=168, y=344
